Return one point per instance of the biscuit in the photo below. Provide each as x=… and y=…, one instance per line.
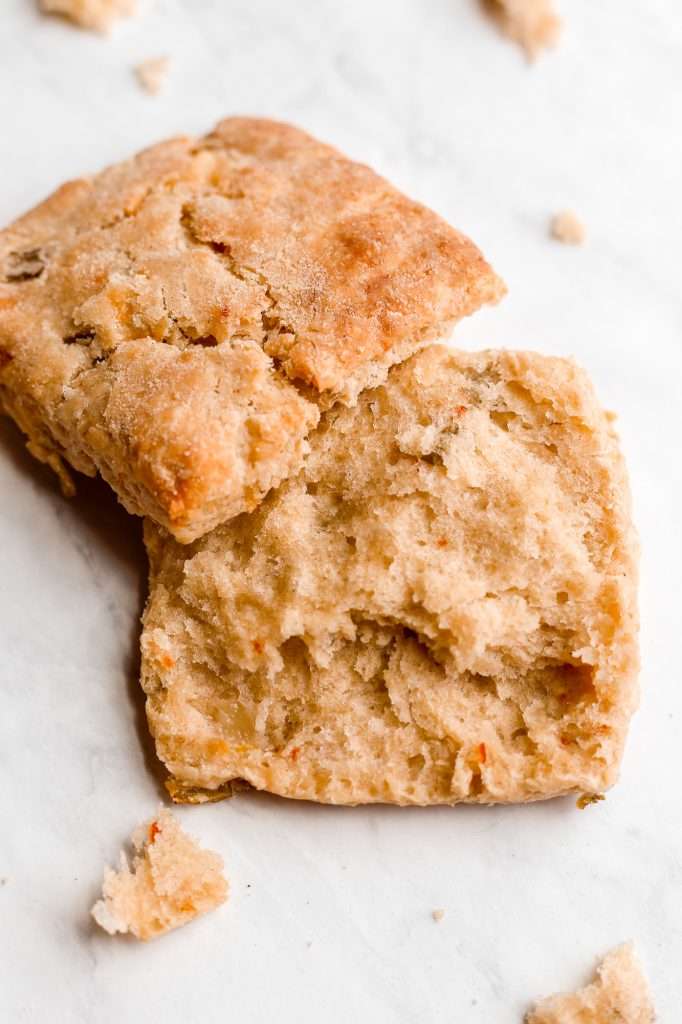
x=619, y=993
x=171, y=882
x=439, y=607
x=97, y=14
x=176, y=322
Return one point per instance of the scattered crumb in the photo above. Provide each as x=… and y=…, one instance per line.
x=3, y=881
x=619, y=993
x=437, y=915
x=152, y=74
x=586, y=799
x=309, y=943
x=99, y=15
x=172, y=881
x=183, y=793
x=533, y=24
x=566, y=228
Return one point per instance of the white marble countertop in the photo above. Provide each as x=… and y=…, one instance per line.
x=330, y=914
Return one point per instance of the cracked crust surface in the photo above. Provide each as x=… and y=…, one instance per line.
x=618, y=995
x=172, y=881
x=96, y=14
x=439, y=607
x=177, y=321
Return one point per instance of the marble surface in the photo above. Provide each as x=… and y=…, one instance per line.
x=330, y=915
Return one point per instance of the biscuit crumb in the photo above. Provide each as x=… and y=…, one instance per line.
x=567, y=228
x=99, y=15
x=533, y=24
x=172, y=881
x=619, y=992
x=588, y=798
x=437, y=915
x=151, y=74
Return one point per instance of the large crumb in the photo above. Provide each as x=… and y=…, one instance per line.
x=567, y=228
x=95, y=14
x=533, y=24
x=619, y=993
x=171, y=882
x=152, y=74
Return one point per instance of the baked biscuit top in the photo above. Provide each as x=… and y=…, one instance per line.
x=175, y=321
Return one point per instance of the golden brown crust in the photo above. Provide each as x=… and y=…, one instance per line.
x=619, y=994
x=132, y=304
x=439, y=607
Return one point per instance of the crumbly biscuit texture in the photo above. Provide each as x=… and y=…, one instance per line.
x=96, y=14
x=619, y=995
x=439, y=607
x=172, y=881
x=567, y=227
x=177, y=321
x=533, y=24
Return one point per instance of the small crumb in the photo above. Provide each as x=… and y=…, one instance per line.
x=95, y=14
x=151, y=74
x=309, y=943
x=437, y=915
x=171, y=881
x=3, y=881
x=533, y=24
x=567, y=228
x=588, y=798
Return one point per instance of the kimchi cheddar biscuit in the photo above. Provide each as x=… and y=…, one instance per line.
x=439, y=607
x=171, y=882
x=177, y=321
x=619, y=993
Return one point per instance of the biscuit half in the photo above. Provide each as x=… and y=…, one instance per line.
x=177, y=321
x=439, y=607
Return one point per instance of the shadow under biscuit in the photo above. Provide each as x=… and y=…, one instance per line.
x=103, y=523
